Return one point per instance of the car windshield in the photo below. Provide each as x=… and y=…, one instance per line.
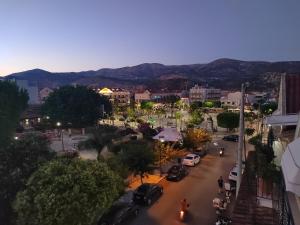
x=189, y=157
x=174, y=169
x=234, y=173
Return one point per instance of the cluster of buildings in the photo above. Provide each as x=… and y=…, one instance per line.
x=123, y=97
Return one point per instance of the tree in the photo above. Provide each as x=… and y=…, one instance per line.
x=195, y=138
x=101, y=136
x=138, y=156
x=195, y=105
x=228, y=120
x=76, y=106
x=165, y=152
x=249, y=131
x=146, y=130
x=268, y=108
x=66, y=191
x=17, y=162
x=196, y=117
x=147, y=106
x=13, y=102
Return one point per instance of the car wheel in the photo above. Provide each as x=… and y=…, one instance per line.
x=136, y=212
x=149, y=201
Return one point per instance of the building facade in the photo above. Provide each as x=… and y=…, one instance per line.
x=118, y=96
x=142, y=96
x=198, y=93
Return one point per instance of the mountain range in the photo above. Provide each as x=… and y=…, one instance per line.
x=221, y=73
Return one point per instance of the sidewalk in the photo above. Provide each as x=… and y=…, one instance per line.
x=147, y=179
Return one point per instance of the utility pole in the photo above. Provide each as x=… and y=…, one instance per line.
x=241, y=141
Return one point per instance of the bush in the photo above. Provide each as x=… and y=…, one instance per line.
x=255, y=140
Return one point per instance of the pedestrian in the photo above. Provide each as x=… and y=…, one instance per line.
x=220, y=184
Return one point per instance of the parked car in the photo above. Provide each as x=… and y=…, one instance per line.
x=233, y=172
x=177, y=172
x=200, y=152
x=119, y=213
x=191, y=160
x=147, y=193
x=232, y=137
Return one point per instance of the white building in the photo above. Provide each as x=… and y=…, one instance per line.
x=198, y=93
x=44, y=93
x=142, y=96
x=234, y=98
x=117, y=96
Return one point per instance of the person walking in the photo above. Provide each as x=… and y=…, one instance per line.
x=220, y=184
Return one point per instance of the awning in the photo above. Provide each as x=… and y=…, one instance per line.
x=169, y=134
x=290, y=164
x=282, y=120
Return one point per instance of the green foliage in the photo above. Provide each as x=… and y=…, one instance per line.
x=249, y=131
x=255, y=140
x=208, y=104
x=196, y=117
x=138, y=156
x=117, y=165
x=75, y=106
x=101, y=136
x=13, y=102
x=195, y=105
x=265, y=166
x=17, y=162
x=228, y=120
x=196, y=138
x=268, y=108
x=65, y=191
x=146, y=105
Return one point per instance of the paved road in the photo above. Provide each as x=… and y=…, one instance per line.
x=199, y=188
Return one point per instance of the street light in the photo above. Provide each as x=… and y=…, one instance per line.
x=162, y=140
x=58, y=124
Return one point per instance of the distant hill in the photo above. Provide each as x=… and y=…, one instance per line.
x=221, y=73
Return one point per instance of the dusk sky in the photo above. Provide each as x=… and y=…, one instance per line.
x=73, y=35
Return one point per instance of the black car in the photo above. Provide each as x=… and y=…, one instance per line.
x=232, y=137
x=147, y=193
x=119, y=213
x=176, y=173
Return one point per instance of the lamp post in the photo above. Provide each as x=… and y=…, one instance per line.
x=58, y=124
x=162, y=140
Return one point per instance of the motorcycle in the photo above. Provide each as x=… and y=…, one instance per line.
x=221, y=152
x=183, y=213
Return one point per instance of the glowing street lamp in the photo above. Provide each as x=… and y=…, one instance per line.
x=58, y=124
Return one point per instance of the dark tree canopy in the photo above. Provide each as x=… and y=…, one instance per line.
x=228, y=120
x=138, y=156
x=65, y=191
x=12, y=102
x=17, y=162
x=76, y=106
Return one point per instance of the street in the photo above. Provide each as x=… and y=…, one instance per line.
x=199, y=188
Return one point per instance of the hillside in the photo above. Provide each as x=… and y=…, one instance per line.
x=221, y=73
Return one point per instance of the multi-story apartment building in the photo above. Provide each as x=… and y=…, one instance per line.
x=118, y=96
x=285, y=123
x=142, y=96
x=198, y=93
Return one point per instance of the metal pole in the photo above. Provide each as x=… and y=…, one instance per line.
x=241, y=141
x=62, y=140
